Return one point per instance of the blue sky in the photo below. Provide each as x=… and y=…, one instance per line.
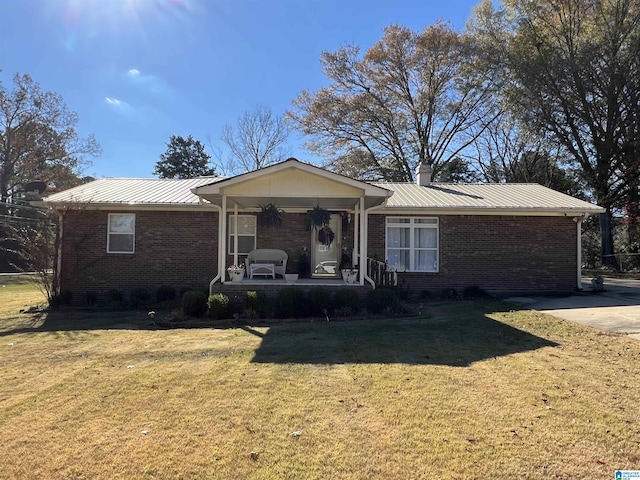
x=138, y=71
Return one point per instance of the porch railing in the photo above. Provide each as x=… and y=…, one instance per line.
x=381, y=273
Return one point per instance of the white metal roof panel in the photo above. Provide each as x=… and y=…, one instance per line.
x=134, y=191
x=491, y=196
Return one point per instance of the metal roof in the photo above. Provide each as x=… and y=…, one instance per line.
x=134, y=191
x=443, y=197
x=484, y=197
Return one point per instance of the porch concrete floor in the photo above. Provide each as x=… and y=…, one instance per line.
x=301, y=281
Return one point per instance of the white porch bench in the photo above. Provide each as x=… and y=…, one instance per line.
x=267, y=261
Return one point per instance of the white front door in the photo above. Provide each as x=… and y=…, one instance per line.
x=326, y=253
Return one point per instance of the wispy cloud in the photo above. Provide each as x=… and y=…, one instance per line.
x=147, y=82
x=117, y=104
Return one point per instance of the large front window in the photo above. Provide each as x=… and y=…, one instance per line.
x=412, y=244
x=246, y=234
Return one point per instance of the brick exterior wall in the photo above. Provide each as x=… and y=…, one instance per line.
x=498, y=253
x=176, y=248
x=179, y=248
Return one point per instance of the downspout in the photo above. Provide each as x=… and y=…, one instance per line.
x=366, y=238
x=579, y=251
x=217, y=277
x=223, y=238
x=58, y=272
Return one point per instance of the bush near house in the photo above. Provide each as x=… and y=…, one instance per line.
x=319, y=301
x=194, y=303
x=256, y=305
x=290, y=303
x=382, y=299
x=139, y=297
x=346, y=303
x=218, y=306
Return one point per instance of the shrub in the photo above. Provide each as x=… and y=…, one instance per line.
x=218, y=306
x=474, y=291
x=382, y=299
x=65, y=297
x=319, y=301
x=290, y=303
x=194, y=303
x=115, y=296
x=448, y=293
x=256, y=304
x=165, y=293
x=91, y=298
x=138, y=297
x=346, y=302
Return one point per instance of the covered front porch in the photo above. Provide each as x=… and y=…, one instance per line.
x=294, y=189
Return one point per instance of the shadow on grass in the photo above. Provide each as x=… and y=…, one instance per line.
x=70, y=320
x=457, y=335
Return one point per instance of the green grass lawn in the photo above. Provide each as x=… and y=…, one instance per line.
x=473, y=390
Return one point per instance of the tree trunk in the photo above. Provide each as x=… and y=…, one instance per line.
x=608, y=259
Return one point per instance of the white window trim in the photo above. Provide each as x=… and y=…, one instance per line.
x=109, y=233
x=230, y=235
x=412, y=226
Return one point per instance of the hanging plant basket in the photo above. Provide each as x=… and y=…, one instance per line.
x=317, y=218
x=326, y=236
x=270, y=216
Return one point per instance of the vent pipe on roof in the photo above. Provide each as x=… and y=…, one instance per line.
x=423, y=174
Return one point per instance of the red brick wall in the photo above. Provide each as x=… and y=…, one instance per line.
x=506, y=253
x=171, y=248
x=180, y=249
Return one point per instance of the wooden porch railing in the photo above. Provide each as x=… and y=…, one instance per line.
x=381, y=273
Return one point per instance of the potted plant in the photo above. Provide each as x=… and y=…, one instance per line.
x=317, y=218
x=236, y=272
x=270, y=216
x=304, y=264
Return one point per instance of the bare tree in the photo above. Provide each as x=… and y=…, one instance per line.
x=257, y=140
x=412, y=97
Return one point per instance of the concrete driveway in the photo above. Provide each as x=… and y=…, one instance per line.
x=617, y=309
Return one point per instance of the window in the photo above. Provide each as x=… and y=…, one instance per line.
x=121, y=233
x=246, y=234
x=412, y=244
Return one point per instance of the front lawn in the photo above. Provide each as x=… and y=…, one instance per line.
x=474, y=390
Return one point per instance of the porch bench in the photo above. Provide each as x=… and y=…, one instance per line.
x=261, y=260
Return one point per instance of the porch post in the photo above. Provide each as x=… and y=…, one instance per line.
x=356, y=235
x=235, y=233
x=363, y=241
x=223, y=240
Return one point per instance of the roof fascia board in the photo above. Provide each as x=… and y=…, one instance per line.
x=531, y=212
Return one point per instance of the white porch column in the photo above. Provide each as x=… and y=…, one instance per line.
x=235, y=234
x=579, y=253
x=222, y=259
x=356, y=235
x=363, y=241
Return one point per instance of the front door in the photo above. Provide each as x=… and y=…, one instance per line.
x=326, y=249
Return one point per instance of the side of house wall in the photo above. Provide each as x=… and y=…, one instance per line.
x=174, y=248
x=499, y=253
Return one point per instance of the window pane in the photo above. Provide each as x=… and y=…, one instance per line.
x=246, y=224
x=120, y=243
x=398, y=237
x=124, y=223
x=399, y=259
x=425, y=238
x=426, y=260
x=246, y=244
x=431, y=221
x=398, y=220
